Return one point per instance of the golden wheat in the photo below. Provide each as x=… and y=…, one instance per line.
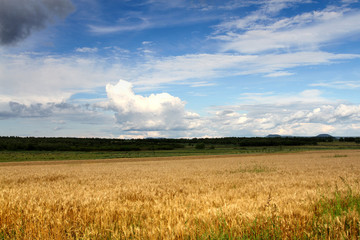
x=171, y=198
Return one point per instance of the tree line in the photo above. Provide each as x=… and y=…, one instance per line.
x=82, y=144
x=103, y=144
x=350, y=139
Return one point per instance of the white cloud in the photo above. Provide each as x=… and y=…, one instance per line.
x=338, y=84
x=201, y=84
x=306, y=96
x=292, y=118
x=142, y=135
x=275, y=6
x=258, y=33
x=136, y=21
x=44, y=79
x=191, y=66
x=306, y=113
x=86, y=50
x=349, y=1
x=279, y=74
x=209, y=66
x=155, y=112
x=163, y=115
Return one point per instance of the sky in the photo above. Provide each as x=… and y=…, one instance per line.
x=179, y=68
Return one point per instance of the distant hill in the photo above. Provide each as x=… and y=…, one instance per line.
x=273, y=136
x=324, y=136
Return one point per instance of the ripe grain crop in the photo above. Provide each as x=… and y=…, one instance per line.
x=273, y=196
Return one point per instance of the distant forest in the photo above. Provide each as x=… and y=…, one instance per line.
x=102, y=144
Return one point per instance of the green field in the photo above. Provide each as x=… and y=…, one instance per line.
x=19, y=156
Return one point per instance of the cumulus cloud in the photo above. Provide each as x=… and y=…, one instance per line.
x=163, y=115
x=156, y=112
x=19, y=18
x=295, y=116
x=305, y=113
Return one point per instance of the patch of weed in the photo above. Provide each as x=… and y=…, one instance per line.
x=337, y=216
x=253, y=169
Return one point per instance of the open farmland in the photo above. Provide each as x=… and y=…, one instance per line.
x=286, y=195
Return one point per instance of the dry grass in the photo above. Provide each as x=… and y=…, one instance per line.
x=246, y=197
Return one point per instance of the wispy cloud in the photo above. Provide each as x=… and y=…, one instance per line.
x=306, y=96
x=137, y=21
x=259, y=33
x=82, y=73
x=86, y=50
x=338, y=84
x=199, y=66
x=52, y=78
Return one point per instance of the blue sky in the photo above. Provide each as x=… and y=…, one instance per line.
x=196, y=68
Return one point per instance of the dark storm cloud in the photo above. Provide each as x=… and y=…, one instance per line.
x=34, y=110
x=82, y=112
x=19, y=18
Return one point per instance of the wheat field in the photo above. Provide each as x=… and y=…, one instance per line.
x=274, y=196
